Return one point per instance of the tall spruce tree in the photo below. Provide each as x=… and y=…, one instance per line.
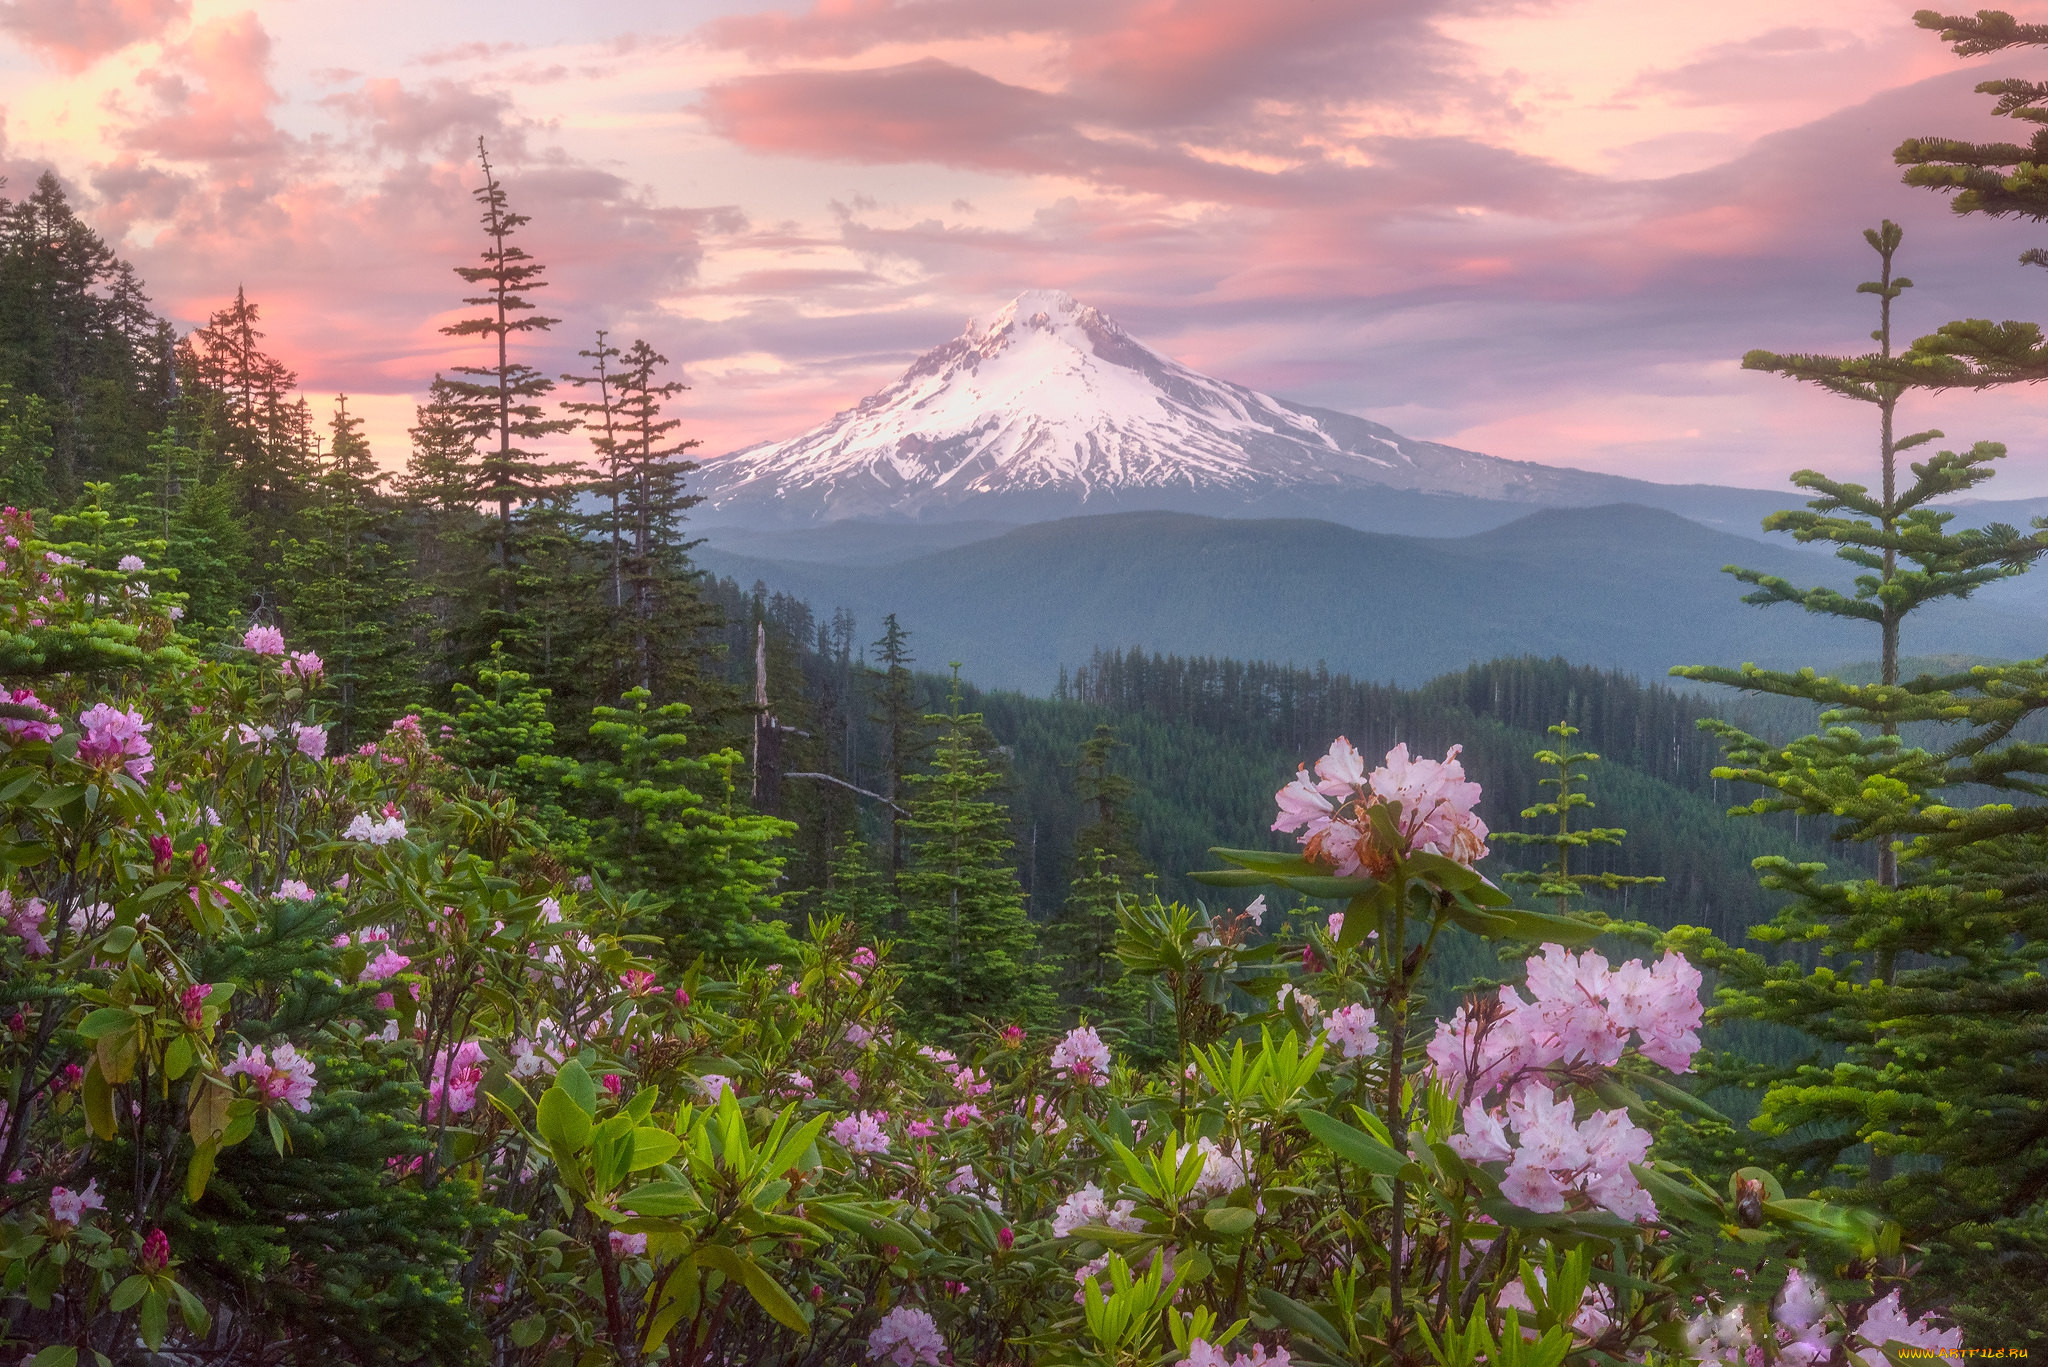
x=897, y=713
x=1925, y=988
x=1106, y=866
x=969, y=952
x=499, y=402
x=671, y=620
x=435, y=495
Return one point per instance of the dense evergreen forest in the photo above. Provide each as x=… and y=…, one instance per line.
x=569, y=582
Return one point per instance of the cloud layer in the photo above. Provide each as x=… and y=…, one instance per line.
x=1457, y=216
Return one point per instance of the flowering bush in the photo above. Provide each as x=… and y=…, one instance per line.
x=310, y=1054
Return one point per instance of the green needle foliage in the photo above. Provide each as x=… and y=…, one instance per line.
x=1918, y=982
x=1557, y=878
x=970, y=952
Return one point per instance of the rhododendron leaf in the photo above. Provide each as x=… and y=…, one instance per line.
x=278, y=1139
x=1232, y=1222
x=1303, y=1320
x=578, y=1085
x=1231, y=878
x=200, y=1170
x=766, y=1291
x=564, y=1124
x=1265, y=861
x=1673, y=1196
x=1329, y=886
x=869, y=1222
x=651, y=1148
x=661, y=1198
x=178, y=1058
x=1542, y=927
x=1353, y=1146
x=1672, y=1095
x=103, y=1020
x=98, y=1099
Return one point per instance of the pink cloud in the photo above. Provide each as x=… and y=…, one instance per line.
x=75, y=33
x=212, y=95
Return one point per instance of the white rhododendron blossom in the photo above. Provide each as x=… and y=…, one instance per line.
x=1088, y=1207
x=907, y=1337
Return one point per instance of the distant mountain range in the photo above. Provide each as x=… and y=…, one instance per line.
x=1050, y=409
x=1619, y=586
x=1045, y=483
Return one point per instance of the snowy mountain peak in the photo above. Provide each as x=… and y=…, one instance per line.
x=1049, y=406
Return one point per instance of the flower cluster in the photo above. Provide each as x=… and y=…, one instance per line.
x=44, y=726
x=862, y=1133
x=114, y=736
x=1082, y=1058
x=907, y=1337
x=1582, y=1013
x=391, y=828
x=453, y=1080
x=1089, y=1207
x=1202, y=1353
x=1432, y=799
x=1807, y=1328
x=263, y=640
x=1552, y=1155
x=69, y=1207
x=24, y=920
x=280, y=1074
x=1350, y=1028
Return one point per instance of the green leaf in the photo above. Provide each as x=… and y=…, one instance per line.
x=661, y=1198
x=1231, y=878
x=1668, y=1192
x=154, y=1319
x=1676, y=1096
x=98, y=1099
x=178, y=1058
x=563, y=1123
x=200, y=1170
x=1232, y=1222
x=1353, y=1146
x=572, y=1079
x=1543, y=926
x=1301, y=1319
x=527, y=1332
x=56, y=1355
x=128, y=1292
x=1280, y=862
x=765, y=1289
x=105, y=1019
x=651, y=1148
x=277, y=1135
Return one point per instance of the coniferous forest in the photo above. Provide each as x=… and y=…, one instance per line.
x=441, y=924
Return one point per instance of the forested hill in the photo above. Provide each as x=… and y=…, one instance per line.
x=1210, y=739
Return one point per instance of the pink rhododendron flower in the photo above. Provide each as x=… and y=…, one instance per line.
x=376, y=833
x=1595, y=1313
x=1484, y=1139
x=1329, y=811
x=130, y=564
x=1089, y=1207
x=1553, y=1157
x=907, y=1337
x=453, y=1080
x=24, y=921
x=263, y=640
x=626, y=1245
x=293, y=890
x=1887, y=1322
x=312, y=742
x=305, y=664
x=862, y=1132
x=192, y=1004
x=716, y=1086
x=1350, y=1028
x=279, y=1074
x=25, y=728
x=638, y=982
x=1202, y=1353
x=858, y=1035
x=388, y=964
x=863, y=957
x=113, y=736
x=69, y=1207
x=1082, y=1058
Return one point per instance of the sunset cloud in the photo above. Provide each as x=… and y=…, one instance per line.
x=1547, y=232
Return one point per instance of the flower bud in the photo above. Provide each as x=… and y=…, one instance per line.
x=200, y=857
x=156, y=1252
x=160, y=848
x=1006, y=1239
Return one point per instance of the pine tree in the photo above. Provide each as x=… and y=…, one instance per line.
x=969, y=952
x=855, y=890
x=1922, y=987
x=609, y=482
x=499, y=404
x=1557, y=879
x=348, y=591
x=671, y=619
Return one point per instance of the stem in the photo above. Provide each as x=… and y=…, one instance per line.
x=1396, y=1115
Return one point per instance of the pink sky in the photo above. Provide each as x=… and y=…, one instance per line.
x=1541, y=230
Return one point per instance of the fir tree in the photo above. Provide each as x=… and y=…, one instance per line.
x=499, y=403
x=1922, y=981
x=349, y=593
x=1106, y=866
x=435, y=493
x=897, y=713
x=664, y=819
x=264, y=432
x=670, y=618
x=969, y=952
x=855, y=890
x=1557, y=878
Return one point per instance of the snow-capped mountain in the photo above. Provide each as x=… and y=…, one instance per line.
x=1049, y=408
